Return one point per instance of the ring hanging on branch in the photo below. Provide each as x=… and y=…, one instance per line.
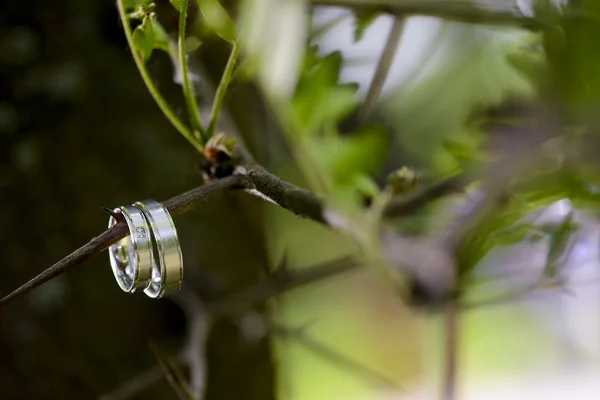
x=150, y=256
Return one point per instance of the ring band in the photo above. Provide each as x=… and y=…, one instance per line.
x=131, y=257
x=167, y=271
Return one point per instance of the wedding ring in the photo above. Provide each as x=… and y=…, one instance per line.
x=167, y=270
x=131, y=257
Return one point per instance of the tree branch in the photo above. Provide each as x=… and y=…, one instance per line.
x=299, y=201
x=176, y=205
x=411, y=203
x=279, y=284
x=459, y=11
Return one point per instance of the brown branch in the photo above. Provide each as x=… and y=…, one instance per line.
x=176, y=205
x=141, y=382
x=172, y=373
x=299, y=201
x=459, y=11
x=279, y=284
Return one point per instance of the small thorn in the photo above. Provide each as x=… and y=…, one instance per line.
x=113, y=214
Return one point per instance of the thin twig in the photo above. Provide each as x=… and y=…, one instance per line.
x=172, y=373
x=141, y=382
x=188, y=89
x=199, y=322
x=222, y=88
x=335, y=357
x=279, y=284
x=160, y=101
x=456, y=10
x=504, y=298
x=451, y=336
x=409, y=204
x=383, y=68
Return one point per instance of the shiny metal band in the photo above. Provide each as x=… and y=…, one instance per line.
x=167, y=271
x=131, y=257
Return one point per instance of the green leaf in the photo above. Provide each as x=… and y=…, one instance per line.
x=560, y=236
x=275, y=35
x=177, y=4
x=433, y=114
x=501, y=227
x=144, y=38
x=347, y=162
x=217, y=19
x=192, y=43
x=319, y=100
x=571, y=46
x=367, y=186
x=364, y=19
x=161, y=39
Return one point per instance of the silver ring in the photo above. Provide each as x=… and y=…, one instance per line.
x=167, y=271
x=131, y=257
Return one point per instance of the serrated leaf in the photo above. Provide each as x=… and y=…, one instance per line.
x=319, y=100
x=217, y=19
x=430, y=112
x=364, y=19
x=144, y=38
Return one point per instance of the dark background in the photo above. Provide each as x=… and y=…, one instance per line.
x=78, y=131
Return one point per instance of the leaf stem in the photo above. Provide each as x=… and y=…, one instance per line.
x=188, y=90
x=222, y=89
x=160, y=101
